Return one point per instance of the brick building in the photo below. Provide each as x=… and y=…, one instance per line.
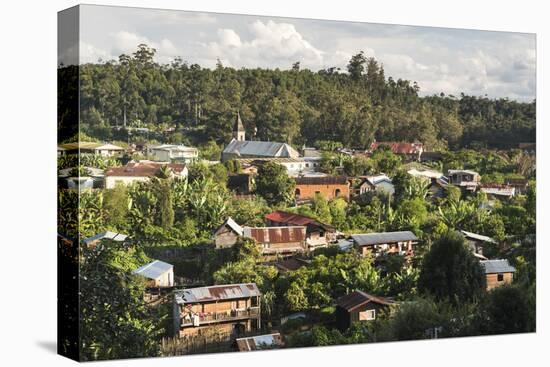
x=329, y=186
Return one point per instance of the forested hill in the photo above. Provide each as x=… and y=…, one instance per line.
x=296, y=105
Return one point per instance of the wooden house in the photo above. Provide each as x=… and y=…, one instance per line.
x=231, y=309
x=278, y=241
x=519, y=184
x=476, y=242
x=385, y=243
x=498, y=191
x=158, y=273
x=227, y=234
x=465, y=179
x=359, y=306
x=329, y=186
x=317, y=234
x=497, y=272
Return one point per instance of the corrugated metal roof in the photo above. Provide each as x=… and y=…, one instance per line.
x=478, y=237
x=229, y=222
x=497, y=266
x=260, y=148
x=154, y=269
x=106, y=235
x=356, y=299
x=280, y=216
x=143, y=169
x=384, y=237
x=276, y=234
x=217, y=293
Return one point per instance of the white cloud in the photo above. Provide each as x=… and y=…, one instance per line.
x=91, y=53
x=271, y=45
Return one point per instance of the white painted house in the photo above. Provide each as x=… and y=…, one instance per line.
x=158, y=273
x=377, y=183
x=173, y=153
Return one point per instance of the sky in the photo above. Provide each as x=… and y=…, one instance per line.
x=452, y=61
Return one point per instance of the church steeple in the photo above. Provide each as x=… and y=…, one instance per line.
x=238, y=128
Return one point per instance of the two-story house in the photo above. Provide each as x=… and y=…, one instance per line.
x=232, y=309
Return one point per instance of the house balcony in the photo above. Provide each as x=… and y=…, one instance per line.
x=216, y=317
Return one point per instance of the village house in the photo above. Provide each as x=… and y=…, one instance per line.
x=498, y=191
x=385, y=243
x=107, y=235
x=359, y=306
x=278, y=241
x=141, y=172
x=317, y=234
x=102, y=149
x=497, y=272
x=227, y=234
x=411, y=151
x=232, y=309
x=380, y=183
x=273, y=241
x=91, y=178
x=158, y=274
x=519, y=184
x=259, y=342
x=466, y=179
x=239, y=147
x=173, y=153
x=329, y=186
x=476, y=242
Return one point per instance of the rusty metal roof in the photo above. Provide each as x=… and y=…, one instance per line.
x=351, y=301
x=276, y=234
x=143, y=169
x=217, y=293
x=280, y=216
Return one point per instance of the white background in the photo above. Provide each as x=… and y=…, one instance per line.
x=28, y=182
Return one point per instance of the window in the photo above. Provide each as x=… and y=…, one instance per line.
x=500, y=277
x=367, y=315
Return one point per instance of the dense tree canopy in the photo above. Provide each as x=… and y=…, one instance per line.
x=296, y=105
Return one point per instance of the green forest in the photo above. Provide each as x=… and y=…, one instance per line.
x=298, y=106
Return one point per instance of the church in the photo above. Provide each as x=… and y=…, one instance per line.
x=239, y=147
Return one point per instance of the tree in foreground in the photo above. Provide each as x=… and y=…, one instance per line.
x=450, y=271
x=507, y=310
x=274, y=185
x=115, y=320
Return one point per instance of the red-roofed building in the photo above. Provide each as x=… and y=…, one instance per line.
x=317, y=234
x=410, y=150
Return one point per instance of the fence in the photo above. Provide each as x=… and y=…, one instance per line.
x=213, y=343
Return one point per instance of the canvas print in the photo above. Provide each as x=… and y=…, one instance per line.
x=232, y=183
